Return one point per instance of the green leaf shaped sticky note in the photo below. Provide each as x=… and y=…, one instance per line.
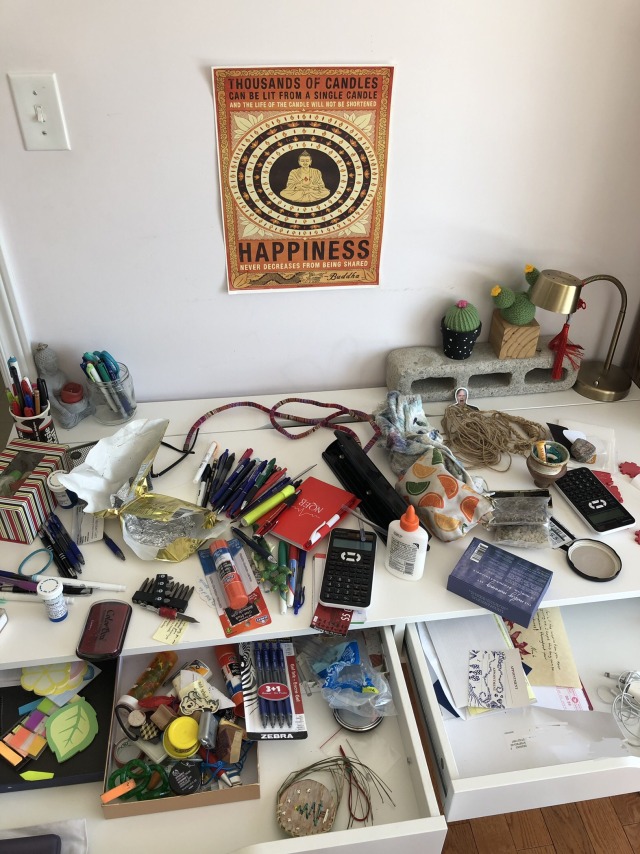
x=71, y=729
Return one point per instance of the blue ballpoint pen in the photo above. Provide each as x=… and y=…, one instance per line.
x=223, y=493
x=222, y=461
x=235, y=504
x=283, y=678
x=262, y=478
x=221, y=480
x=267, y=710
x=275, y=677
x=234, y=489
x=293, y=575
x=64, y=533
x=299, y=592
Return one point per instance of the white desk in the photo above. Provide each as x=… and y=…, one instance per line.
x=29, y=638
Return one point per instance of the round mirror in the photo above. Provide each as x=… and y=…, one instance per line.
x=594, y=560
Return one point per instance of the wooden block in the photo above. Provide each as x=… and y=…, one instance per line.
x=513, y=342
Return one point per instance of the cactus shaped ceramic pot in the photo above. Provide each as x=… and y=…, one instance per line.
x=460, y=328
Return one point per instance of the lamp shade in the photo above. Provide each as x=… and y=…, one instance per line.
x=556, y=291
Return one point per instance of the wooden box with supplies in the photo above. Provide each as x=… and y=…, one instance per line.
x=157, y=757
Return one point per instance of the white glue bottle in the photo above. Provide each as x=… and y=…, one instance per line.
x=407, y=545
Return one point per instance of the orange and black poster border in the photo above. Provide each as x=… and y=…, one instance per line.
x=302, y=153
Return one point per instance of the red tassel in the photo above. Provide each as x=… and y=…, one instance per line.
x=564, y=347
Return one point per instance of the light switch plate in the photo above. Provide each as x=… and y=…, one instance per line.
x=39, y=109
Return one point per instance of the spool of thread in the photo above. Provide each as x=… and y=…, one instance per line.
x=229, y=576
x=51, y=591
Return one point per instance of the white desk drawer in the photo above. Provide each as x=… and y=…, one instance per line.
x=563, y=757
x=394, y=750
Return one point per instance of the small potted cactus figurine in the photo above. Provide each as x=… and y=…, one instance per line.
x=460, y=328
x=514, y=330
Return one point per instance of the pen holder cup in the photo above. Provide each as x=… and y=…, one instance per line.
x=36, y=428
x=114, y=402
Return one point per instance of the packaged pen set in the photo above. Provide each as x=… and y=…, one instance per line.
x=271, y=691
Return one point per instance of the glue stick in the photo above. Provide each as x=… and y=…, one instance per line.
x=229, y=576
x=230, y=665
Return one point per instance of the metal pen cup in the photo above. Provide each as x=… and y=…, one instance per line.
x=114, y=402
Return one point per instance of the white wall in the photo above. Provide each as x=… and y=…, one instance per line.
x=514, y=139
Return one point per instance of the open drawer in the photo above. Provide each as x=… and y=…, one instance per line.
x=519, y=759
x=394, y=750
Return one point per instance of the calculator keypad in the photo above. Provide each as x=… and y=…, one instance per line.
x=348, y=577
x=592, y=500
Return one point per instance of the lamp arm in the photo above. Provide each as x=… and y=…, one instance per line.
x=621, y=314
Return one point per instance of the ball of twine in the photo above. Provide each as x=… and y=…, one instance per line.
x=483, y=438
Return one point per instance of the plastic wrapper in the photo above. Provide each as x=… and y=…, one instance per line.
x=348, y=679
x=113, y=482
x=521, y=519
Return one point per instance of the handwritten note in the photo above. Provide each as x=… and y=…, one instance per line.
x=545, y=647
x=170, y=631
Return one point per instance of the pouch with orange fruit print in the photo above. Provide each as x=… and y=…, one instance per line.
x=444, y=495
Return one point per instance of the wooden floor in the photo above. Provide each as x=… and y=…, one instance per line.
x=602, y=826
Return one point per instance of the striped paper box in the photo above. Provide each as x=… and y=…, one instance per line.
x=22, y=515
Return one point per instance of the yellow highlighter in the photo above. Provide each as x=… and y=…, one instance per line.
x=267, y=505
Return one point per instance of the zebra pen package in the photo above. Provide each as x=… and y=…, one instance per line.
x=271, y=691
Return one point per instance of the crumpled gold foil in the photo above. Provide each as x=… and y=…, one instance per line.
x=113, y=482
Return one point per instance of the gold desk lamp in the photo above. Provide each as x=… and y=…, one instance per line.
x=561, y=293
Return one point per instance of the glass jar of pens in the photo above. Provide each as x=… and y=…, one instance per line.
x=114, y=400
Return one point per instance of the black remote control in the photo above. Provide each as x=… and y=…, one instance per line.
x=593, y=502
x=348, y=570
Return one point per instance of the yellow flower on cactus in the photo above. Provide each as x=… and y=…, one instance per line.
x=495, y=290
x=529, y=268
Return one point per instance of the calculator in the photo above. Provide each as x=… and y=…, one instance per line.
x=593, y=502
x=348, y=570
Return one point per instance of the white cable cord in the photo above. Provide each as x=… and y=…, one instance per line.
x=626, y=705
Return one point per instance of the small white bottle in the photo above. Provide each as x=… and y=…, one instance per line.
x=407, y=545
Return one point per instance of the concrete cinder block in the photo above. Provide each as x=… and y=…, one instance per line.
x=427, y=372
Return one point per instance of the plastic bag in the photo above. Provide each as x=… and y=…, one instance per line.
x=351, y=683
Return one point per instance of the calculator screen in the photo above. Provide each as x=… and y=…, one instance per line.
x=354, y=545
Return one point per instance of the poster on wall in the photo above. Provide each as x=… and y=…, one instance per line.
x=303, y=162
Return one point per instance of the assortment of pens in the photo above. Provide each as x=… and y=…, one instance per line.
x=253, y=493
x=99, y=366
x=25, y=399
x=245, y=489
x=66, y=554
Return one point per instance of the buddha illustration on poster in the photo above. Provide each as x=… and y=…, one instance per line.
x=303, y=156
x=305, y=184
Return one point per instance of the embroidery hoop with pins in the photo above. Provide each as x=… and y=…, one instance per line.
x=306, y=807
